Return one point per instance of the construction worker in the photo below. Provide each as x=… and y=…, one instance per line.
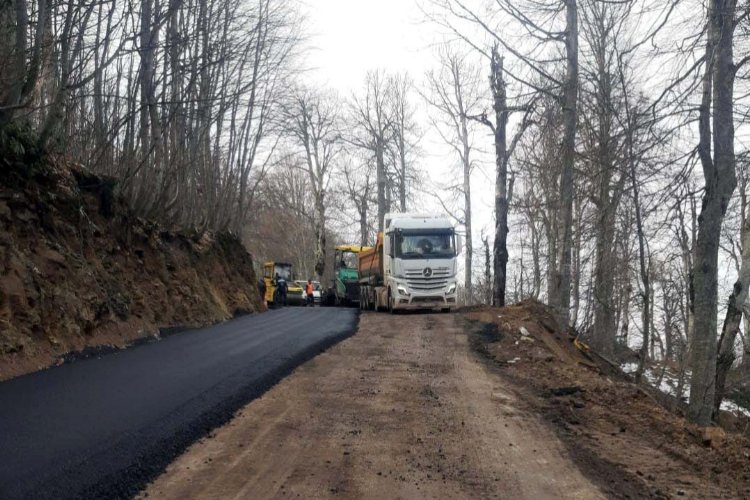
x=309, y=289
x=281, y=289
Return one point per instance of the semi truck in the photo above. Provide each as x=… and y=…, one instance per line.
x=412, y=266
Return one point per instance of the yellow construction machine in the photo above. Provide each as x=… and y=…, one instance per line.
x=272, y=271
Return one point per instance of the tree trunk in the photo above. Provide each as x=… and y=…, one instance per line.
x=381, y=181
x=645, y=280
x=561, y=287
x=402, y=162
x=720, y=180
x=487, y=271
x=604, y=328
x=733, y=318
x=363, y=227
x=575, y=272
x=500, y=262
x=320, y=240
x=469, y=247
x=668, y=321
x=535, y=244
x=744, y=367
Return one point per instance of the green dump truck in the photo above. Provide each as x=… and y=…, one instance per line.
x=345, y=288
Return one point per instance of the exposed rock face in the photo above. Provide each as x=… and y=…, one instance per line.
x=77, y=269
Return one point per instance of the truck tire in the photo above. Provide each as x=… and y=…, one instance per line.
x=391, y=300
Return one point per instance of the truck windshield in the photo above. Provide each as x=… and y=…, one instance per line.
x=348, y=260
x=425, y=246
x=284, y=272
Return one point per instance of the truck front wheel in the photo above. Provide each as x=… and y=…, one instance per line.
x=391, y=303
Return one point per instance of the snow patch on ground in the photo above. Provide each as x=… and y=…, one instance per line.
x=734, y=408
x=669, y=383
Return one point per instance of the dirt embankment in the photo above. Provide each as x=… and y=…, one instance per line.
x=621, y=435
x=79, y=270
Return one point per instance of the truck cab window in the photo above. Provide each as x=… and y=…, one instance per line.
x=423, y=246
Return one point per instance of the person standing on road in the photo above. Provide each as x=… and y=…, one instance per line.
x=281, y=289
x=310, y=289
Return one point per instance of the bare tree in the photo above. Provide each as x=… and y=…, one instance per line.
x=372, y=116
x=405, y=135
x=453, y=94
x=172, y=98
x=358, y=189
x=561, y=290
x=311, y=119
x=603, y=30
x=737, y=304
x=503, y=153
x=545, y=31
x=717, y=109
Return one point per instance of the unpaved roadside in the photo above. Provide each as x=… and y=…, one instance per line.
x=404, y=409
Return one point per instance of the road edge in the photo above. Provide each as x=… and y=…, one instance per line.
x=130, y=481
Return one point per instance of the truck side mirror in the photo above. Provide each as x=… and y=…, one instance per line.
x=459, y=244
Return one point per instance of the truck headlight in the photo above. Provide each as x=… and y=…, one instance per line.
x=451, y=288
x=402, y=290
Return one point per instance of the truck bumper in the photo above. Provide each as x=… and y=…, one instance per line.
x=425, y=302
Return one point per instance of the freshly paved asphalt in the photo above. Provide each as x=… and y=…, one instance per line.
x=103, y=427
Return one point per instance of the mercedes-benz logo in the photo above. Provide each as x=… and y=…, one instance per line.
x=427, y=272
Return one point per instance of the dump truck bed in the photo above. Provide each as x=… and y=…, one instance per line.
x=370, y=263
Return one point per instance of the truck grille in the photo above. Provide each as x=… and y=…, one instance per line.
x=419, y=300
x=435, y=279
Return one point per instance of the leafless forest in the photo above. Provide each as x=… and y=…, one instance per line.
x=615, y=131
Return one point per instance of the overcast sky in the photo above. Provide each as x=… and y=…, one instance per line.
x=350, y=37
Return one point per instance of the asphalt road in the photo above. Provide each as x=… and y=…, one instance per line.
x=103, y=427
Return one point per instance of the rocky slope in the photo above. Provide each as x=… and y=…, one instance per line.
x=79, y=270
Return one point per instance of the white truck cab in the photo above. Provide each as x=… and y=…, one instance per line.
x=419, y=261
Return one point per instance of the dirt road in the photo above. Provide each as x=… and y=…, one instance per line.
x=404, y=409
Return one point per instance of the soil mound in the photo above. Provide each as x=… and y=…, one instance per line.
x=623, y=435
x=78, y=270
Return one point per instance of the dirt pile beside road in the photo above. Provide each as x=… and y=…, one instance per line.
x=79, y=271
x=617, y=432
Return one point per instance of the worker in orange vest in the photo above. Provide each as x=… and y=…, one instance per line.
x=309, y=290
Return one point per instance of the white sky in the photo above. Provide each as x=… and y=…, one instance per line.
x=350, y=37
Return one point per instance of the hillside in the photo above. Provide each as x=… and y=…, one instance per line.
x=78, y=270
x=632, y=439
